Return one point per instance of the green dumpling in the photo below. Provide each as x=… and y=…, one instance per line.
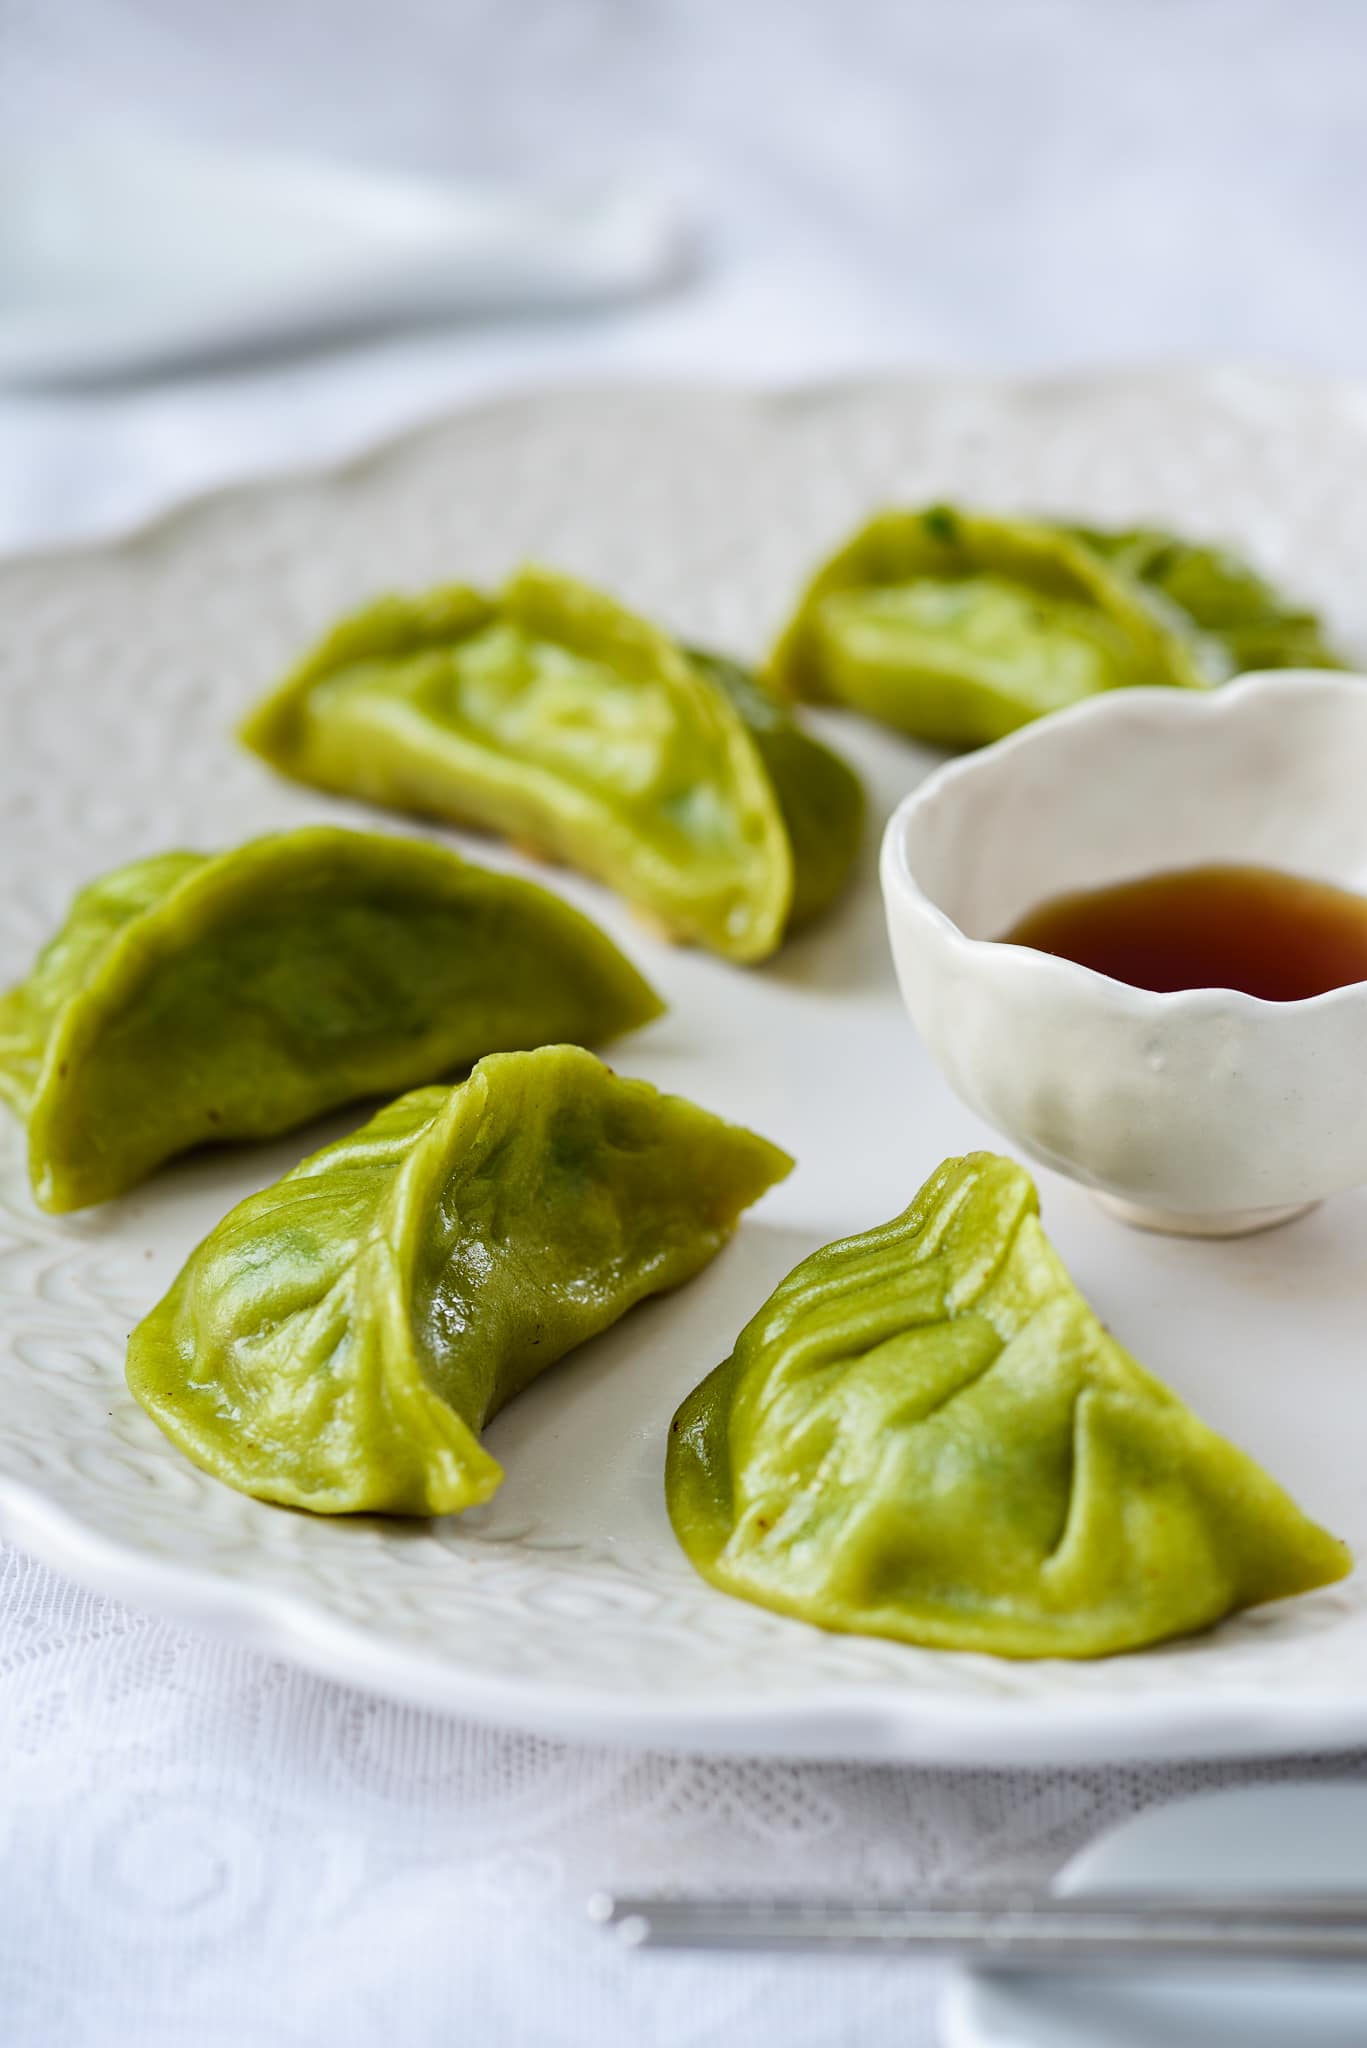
x=959, y=626
x=193, y=998
x=555, y=716
x=819, y=794
x=926, y=1433
x=1226, y=601
x=339, y=1341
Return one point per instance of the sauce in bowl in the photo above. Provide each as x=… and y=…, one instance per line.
x=1275, y=935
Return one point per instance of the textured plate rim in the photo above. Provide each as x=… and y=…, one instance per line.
x=848, y=1723
x=1190, y=376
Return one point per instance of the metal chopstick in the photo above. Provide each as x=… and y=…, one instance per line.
x=1012, y=1930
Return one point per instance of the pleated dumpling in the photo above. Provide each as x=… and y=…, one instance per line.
x=194, y=998
x=1227, y=602
x=339, y=1341
x=926, y=1433
x=553, y=715
x=958, y=626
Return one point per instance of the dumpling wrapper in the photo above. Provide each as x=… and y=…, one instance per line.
x=338, y=1342
x=195, y=998
x=1225, y=600
x=926, y=1433
x=553, y=715
x=957, y=627
x=819, y=794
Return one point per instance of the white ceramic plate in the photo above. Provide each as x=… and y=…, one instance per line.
x=564, y=1605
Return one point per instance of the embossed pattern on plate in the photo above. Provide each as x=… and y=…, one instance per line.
x=564, y=1604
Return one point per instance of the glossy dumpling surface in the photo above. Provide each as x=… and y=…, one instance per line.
x=926, y=1433
x=555, y=716
x=958, y=626
x=339, y=1341
x=193, y=998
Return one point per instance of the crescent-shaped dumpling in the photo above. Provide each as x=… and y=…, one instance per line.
x=1246, y=618
x=926, y=1433
x=193, y=998
x=553, y=715
x=958, y=626
x=339, y=1341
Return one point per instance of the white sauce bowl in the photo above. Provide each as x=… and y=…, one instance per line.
x=1205, y=1111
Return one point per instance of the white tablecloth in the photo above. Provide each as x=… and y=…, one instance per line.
x=203, y=1846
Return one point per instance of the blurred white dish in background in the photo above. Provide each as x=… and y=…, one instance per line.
x=123, y=256
x=1205, y=1111
x=1288, y=1839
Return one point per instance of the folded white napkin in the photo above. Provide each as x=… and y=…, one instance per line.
x=133, y=254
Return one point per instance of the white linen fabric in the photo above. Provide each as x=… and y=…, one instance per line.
x=1008, y=183
x=200, y=1845
x=203, y=1846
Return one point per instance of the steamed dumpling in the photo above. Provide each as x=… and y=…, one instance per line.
x=926, y=1433
x=1226, y=601
x=553, y=715
x=339, y=1340
x=192, y=998
x=819, y=794
x=958, y=626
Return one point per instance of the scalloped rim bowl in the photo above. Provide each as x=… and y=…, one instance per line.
x=1206, y=1111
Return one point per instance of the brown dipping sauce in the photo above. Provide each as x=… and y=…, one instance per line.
x=1270, y=934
